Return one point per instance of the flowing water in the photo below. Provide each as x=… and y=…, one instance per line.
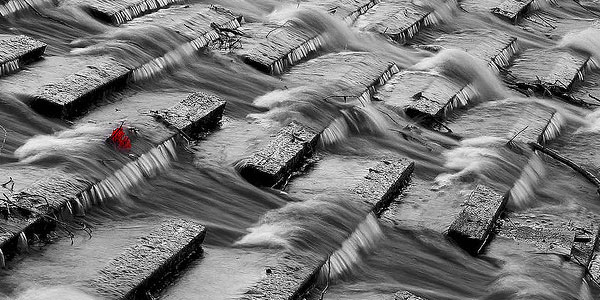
x=247, y=226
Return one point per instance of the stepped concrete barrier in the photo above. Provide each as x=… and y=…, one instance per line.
x=17, y=51
x=118, y=12
x=146, y=267
x=273, y=48
x=347, y=10
x=294, y=275
x=42, y=196
x=474, y=224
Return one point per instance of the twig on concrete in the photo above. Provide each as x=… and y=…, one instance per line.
x=587, y=174
x=328, y=276
x=515, y=136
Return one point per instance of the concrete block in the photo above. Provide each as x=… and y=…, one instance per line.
x=18, y=50
x=406, y=295
x=148, y=265
x=475, y=223
x=512, y=9
x=280, y=156
x=120, y=11
x=198, y=112
x=72, y=95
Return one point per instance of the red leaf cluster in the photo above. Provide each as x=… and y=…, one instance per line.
x=119, y=139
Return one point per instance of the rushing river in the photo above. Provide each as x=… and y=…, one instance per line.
x=247, y=225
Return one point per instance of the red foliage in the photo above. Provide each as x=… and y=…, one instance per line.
x=119, y=139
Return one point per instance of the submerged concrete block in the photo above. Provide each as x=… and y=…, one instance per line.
x=120, y=11
x=273, y=48
x=406, y=295
x=18, y=50
x=72, y=95
x=475, y=223
x=280, y=156
x=199, y=111
x=512, y=9
x=147, y=266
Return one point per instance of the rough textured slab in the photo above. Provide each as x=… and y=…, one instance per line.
x=197, y=112
x=120, y=11
x=348, y=10
x=293, y=275
x=149, y=263
x=350, y=76
x=406, y=295
x=18, y=50
x=70, y=96
x=399, y=20
x=474, y=224
x=512, y=9
x=281, y=155
x=552, y=70
x=272, y=48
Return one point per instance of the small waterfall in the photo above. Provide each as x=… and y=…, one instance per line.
x=9, y=67
x=2, y=260
x=22, y=244
x=361, y=241
x=178, y=56
x=296, y=55
x=350, y=19
x=524, y=188
x=132, y=174
x=358, y=120
x=367, y=96
x=553, y=128
x=137, y=9
x=17, y=6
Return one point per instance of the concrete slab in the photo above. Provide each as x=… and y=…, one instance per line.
x=17, y=51
x=121, y=11
x=347, y=10
x=197, y=113
x=406, y=295
x=475, y=223
x=400, y=20
x=72, y=95
x=149, y=265
x=512, y=9
x=273, y=48
x=280, y=156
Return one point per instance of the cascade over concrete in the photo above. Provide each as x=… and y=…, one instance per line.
x=272, y=48
x=398, y=19
x=148, y=265
x=52, y=191
x=294, y=274
x=280, y=156
x=18, y=50
x=475, y=223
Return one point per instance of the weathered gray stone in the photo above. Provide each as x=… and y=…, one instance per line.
x=147, y=266
x=400, y=20
x=120, y=11
x=280, y=156
x=73, y=94
x=272, y=48
x=512, y=9
x=293, y=275
x=474, y=224
x=18, y=50
x=406, y=295
x=199, y=111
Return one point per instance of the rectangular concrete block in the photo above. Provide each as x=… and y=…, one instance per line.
x=399, y=20
x=72, y=95
x=347, y=10
x=551, y=70
x=148, y=265
x=121, y=11
x=18, y=50
x=384, y=182
x=512, y=9
x=198, y=112
x=273, y=48
x=406, y=295
x=475, y=223
x=280, y=155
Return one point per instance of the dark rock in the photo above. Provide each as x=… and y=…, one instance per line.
x=148, y=265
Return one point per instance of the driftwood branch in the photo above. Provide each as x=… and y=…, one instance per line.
x=587, y=174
